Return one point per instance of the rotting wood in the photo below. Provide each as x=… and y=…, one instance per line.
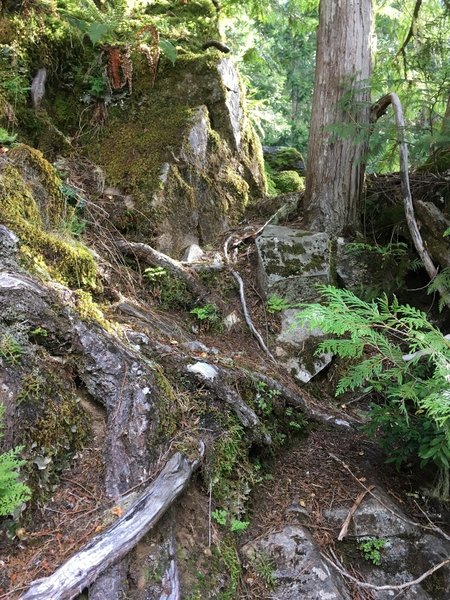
x=83, y=568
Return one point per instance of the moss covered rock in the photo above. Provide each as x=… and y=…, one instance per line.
x=183, y=151
x=288, y=181
x=32, y=206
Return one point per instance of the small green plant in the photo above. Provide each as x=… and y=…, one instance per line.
x=208, y=312
x=10, y=349
x=6, y=139
x=12, y=492
x=264, y=567
x=265, y=398
x=208, y=316
x=276, y=304
x=237, y=525
x=370, y=549
x=155, y=274
x=220, y=516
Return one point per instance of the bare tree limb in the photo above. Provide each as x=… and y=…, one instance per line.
x=154, y=257
x=102, y=551
x=351, y=512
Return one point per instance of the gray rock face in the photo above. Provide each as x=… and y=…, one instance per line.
x=408, y=550
x=290, y=264
x=299, y=571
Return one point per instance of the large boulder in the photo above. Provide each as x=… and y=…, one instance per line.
x=185, y=154
x=290, y=265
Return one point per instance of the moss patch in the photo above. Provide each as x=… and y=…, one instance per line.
x=33, y=207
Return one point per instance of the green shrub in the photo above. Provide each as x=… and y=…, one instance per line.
x=398, y=353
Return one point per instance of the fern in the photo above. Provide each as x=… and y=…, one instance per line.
x=12, y=492
x=398, y=353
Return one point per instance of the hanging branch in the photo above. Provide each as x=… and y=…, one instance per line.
x=410, y=34
x=377, y=110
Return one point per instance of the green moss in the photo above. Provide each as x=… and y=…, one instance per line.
x=288, y=181
x=33, y=207
x=169, y=413
x=285, y=159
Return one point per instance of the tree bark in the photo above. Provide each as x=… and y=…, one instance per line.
x=340, y=117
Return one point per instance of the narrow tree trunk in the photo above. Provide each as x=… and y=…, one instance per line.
x=340, y=116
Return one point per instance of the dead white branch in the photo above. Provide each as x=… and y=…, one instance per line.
x=351, y=512
x=245, y=310
x=370, y=586
x=81, y=570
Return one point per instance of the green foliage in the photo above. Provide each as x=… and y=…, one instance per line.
x=10, y=349
x=441, y=281
x=208, y=312
x=222, y=517
x=170, y=291
x=155, y=274
x=276, y=304
x=6, y=139
x=396, y=352
x=265, y=398
x=370, y=549
x=264, y=567
x=12, y=492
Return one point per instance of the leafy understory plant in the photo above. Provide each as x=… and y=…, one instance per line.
x=207, y=314
x=371, y=548
x=12, y=492
x=396, y=352
x=222, y=517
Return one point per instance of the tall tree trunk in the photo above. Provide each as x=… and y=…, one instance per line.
x=340, y=116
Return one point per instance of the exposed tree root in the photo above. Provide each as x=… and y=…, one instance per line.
x=83, y=568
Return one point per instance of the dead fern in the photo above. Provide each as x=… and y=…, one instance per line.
x=151, y=52
x=114, y=64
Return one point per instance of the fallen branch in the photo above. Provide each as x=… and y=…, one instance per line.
x=431, y=527
x=81, y=570
x=154, y=257
x=370, y=586
x=351, y=512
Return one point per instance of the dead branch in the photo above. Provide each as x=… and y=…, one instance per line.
x=378, y=109
x=370, y=586
x=107, y=548
x=245, y=310
x=300, y=399
x=351, y=512
x=431, y=527
x=154, y=257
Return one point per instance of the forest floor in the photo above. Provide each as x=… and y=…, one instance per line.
x=303, y=475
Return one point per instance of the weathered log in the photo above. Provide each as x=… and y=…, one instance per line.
x=102, y=551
